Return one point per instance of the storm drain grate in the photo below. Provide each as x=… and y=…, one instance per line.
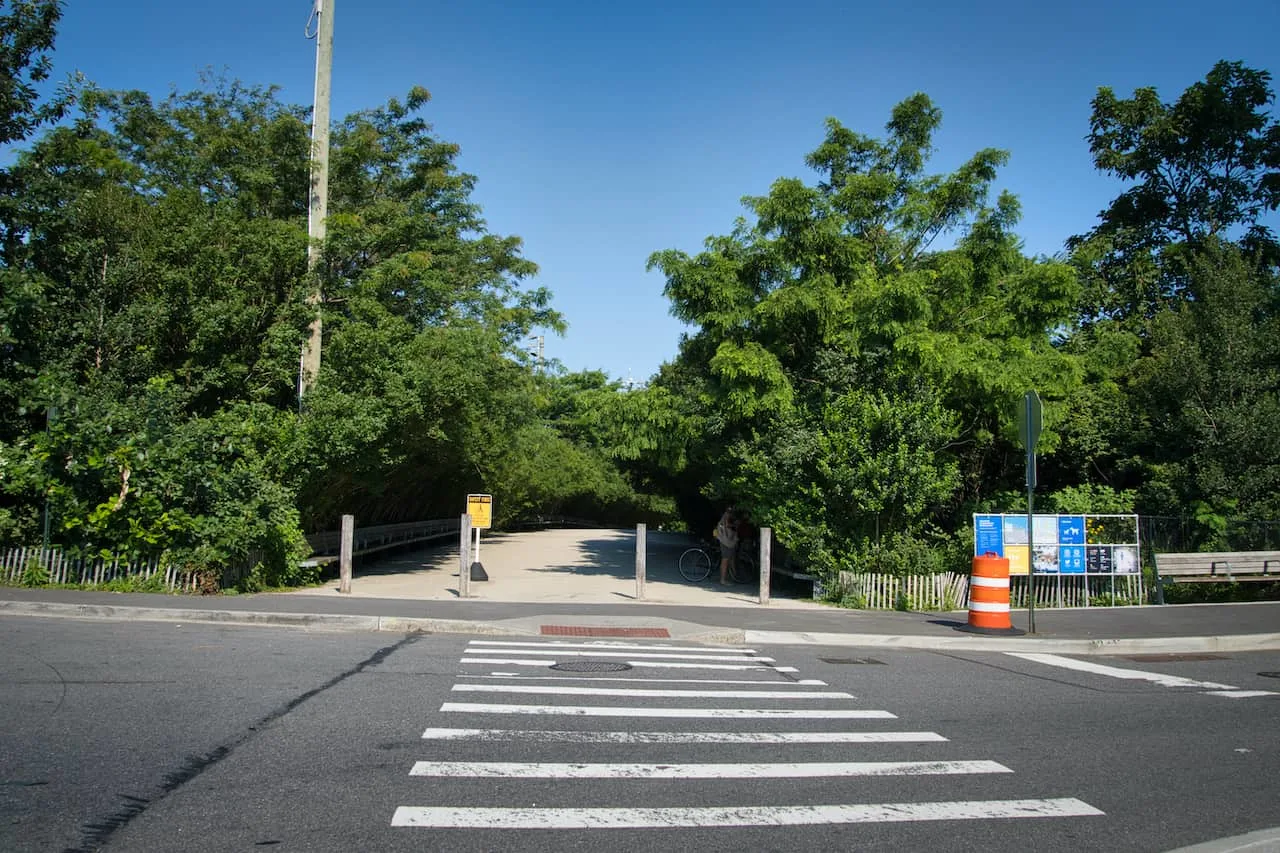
x=591, y=666
x=601, y=631
x=852, y=661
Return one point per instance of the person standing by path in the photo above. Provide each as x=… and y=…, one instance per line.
x=727, y=535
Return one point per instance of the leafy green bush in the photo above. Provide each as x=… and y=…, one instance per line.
x=1209, y=593
x=135, y=583
x=902, y=554
x=1089, y=498
x=35, y=573
x=1107, y=599
x=847, y=599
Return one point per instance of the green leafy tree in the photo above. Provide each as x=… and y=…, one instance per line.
x=421, y=389
x=159, y=310
x=1178, y=301
x=1206, y=166
x=27, y=32
x=845, y=378
x=1211, y=391
x=162, y=245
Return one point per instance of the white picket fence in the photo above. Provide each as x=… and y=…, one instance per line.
x=1079, y=590
x=951, y=591
x=62, y=568
x=948, y=591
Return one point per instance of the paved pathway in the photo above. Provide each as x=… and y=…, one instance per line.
x=563, y=566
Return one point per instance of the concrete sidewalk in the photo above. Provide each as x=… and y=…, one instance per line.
x=562, y=566
x=582, y=583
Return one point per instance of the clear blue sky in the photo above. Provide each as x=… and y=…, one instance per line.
x=603, y=131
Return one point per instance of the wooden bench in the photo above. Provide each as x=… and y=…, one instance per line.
x=1216, y=566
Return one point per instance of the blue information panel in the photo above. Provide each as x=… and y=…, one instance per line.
x=989, y=535
x=1071, y=530
x=1071, y=560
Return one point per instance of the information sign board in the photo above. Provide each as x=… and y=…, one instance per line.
x=480, y=508
x=1064, y=544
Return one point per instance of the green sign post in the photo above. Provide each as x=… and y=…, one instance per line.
x=1030, y=420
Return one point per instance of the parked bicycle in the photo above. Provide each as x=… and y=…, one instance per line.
x=697, y=562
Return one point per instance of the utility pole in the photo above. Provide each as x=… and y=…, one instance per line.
x=318, y=207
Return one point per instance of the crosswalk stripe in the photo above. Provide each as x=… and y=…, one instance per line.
x=451, y=817
x=1117, y=672
x=802, y=682
x=563, y=690
x=656, y=647
x=1210, y=688
x=601, y=653
x=680, y=737
x=1241, y=694
x=717, y=713
x=732, y=667
x=793, y=770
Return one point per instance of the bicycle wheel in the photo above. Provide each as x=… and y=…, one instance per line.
x=695, y=565
x=743, y=569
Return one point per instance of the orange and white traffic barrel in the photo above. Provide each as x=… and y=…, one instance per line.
x=989, y=596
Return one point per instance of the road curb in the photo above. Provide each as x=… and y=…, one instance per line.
x=1138, y=645
x=315, y=621
x=338, y=622
x=408, y=625
x=335, y=622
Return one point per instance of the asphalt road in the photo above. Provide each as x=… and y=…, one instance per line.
x=156, y=737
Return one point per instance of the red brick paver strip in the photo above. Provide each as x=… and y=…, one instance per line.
x=599, y=631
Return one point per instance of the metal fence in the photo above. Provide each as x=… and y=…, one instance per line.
x=1177, y=534
x=380, y=537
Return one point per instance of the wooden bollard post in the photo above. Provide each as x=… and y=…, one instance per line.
x=641, y=531
x=464, y=558
x=766, y=554
x=344, y=554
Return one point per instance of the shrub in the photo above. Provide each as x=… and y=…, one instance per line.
x=35, y=573
x=902, y=554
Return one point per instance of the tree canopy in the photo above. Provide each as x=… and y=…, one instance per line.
x=844, y=377
x=155, y=268
x=857, y=343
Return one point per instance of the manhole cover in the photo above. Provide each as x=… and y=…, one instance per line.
x=851, y=661
x=591, y=666
x=1270, y=674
